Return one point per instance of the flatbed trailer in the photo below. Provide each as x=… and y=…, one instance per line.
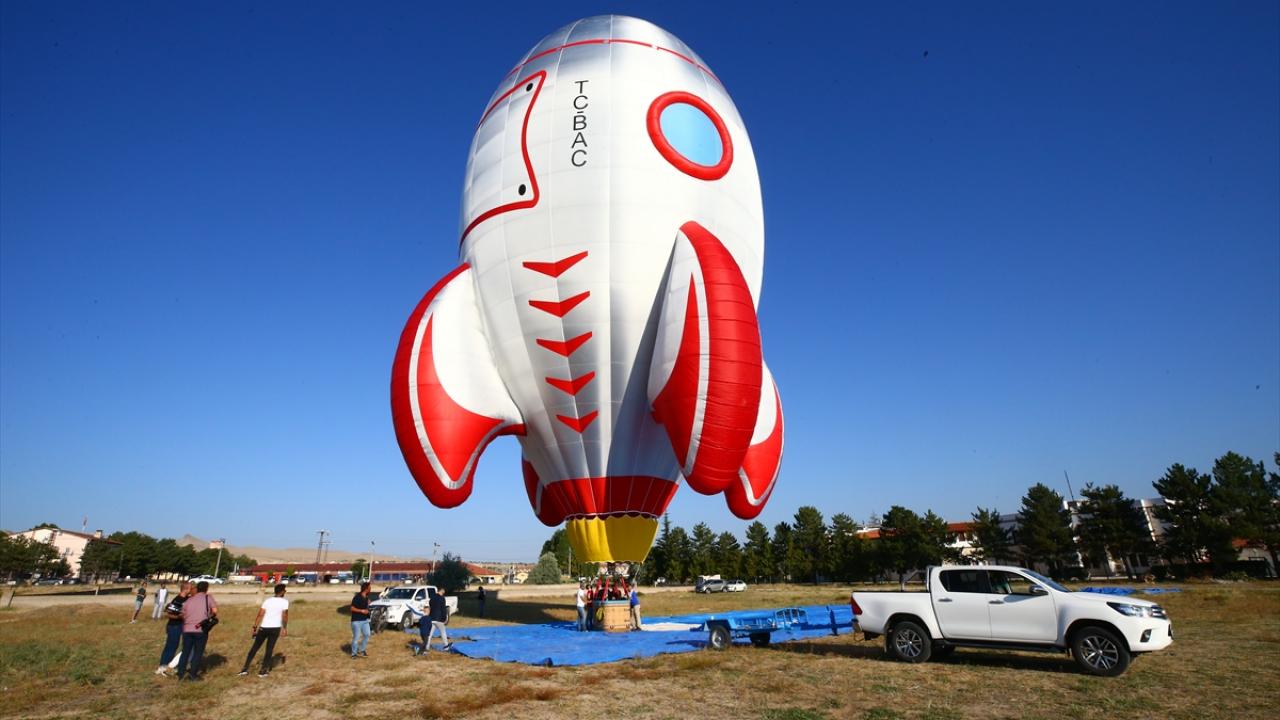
x=759, y=628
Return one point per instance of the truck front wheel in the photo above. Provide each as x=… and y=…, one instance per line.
x=1098, y=651
x=909, y=642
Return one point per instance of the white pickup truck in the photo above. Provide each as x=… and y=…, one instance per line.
x=1012, y=608
x=395, y=602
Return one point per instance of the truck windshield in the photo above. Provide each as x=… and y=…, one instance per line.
x=400, y=594
x=1046, y=581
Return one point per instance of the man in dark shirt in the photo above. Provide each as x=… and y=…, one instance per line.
x=439, y=615
x=139, y=598
x=173, y=629
x=360, y=622
x=480, y=598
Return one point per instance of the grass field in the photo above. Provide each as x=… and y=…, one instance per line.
x=86, y=662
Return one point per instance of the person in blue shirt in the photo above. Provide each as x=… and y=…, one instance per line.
x=635, y=608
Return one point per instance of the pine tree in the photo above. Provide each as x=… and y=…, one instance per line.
x=680, y=560
x=807, y=558
x=728, y=555
x=991, y=540
x=1192, y=529
x=781, y=551
x=757, y=561
x=704, y=541
x=1249, y=501
x=1111, y=527
x=658, y=563
x=848, y=561
x=1044, y=528
x=904, y=542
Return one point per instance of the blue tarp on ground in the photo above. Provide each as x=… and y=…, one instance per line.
x=1129, y=590
x=562, y=644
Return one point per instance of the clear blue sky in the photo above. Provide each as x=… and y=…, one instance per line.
x=1053, y=243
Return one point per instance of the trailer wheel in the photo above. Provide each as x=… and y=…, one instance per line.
x=720, y=638
x=760, y=639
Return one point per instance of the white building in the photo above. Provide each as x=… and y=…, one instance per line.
x=69, y=544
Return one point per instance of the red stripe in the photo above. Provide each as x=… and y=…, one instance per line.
x=571, y=386
x=599, y=496
x=675, y=406
x=567, y=347
x=455, y=434
x=560, y=308
x=541, y=77
x=734, y=371
x=579, y=423
x=621, y=41
x=760, y=466
x=557, y=268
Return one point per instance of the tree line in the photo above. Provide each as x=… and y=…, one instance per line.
x=1204, y=513
x=132, y=554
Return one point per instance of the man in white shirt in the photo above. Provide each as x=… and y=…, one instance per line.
x=582, y=607
x=162, y=597
x=272, y=623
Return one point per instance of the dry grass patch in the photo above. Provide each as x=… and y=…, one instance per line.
x=88, y=662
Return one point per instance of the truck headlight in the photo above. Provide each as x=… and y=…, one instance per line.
x=1129, y=610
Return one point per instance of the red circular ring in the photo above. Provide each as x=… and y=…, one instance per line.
x=673, y=156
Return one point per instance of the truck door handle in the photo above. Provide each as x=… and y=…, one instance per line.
x=997, y=602
x=944, y=599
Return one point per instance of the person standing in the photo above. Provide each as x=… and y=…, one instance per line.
x=360, y=622
x=162, y=594
x=271, y=624
x=199, y=615
x=439, y=616
x=480, y=599
x=635, y=608
x=581, y=599
x=139, y=598
x=173, y=628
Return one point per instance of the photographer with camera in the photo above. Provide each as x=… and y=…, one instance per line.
x=199, y=616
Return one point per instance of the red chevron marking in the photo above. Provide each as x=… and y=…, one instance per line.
x=571, y=386
x=560, y=308
x=567, y=347
x=581, y=423
x=557, y=268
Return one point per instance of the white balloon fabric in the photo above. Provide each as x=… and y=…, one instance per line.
x=612, y=243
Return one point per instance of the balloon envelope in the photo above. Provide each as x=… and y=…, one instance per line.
x=611, y=244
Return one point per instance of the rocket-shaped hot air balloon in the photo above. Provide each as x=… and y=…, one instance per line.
x=612, y=242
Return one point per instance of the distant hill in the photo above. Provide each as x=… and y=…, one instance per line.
x=288, y=555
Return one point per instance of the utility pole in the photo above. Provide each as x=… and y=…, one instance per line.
x=372, y=547
x=319, y=549
x=222, y=543
x=435, y=547
x=1070, y=492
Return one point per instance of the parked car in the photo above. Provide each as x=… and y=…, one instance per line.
x=208, y=578
x=710, y=586
x=735, y=586
x=1012, y=608
x=394, y=603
